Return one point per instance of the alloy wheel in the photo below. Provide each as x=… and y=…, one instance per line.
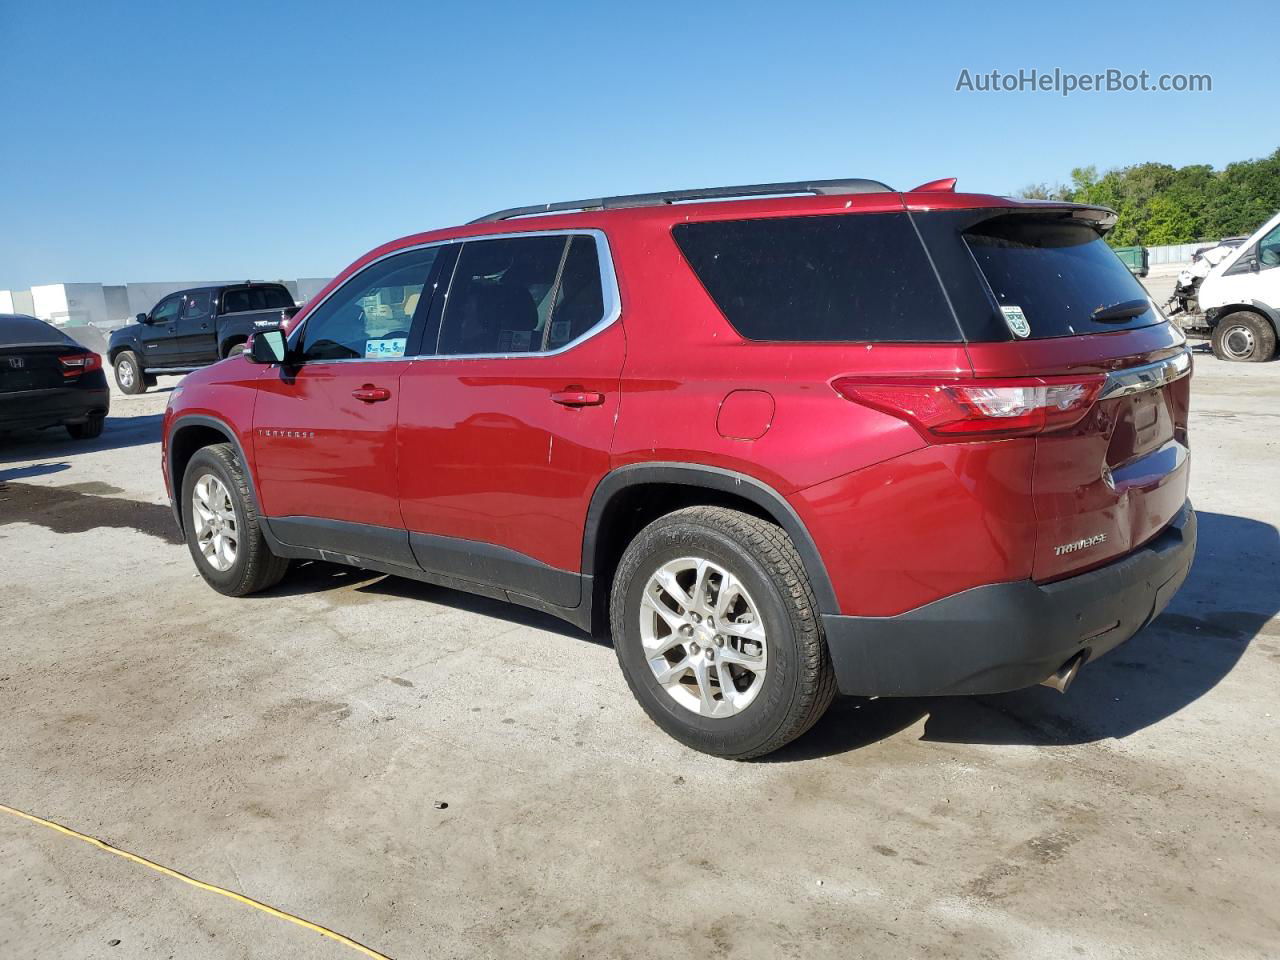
x=703, y=638
x=214, y=515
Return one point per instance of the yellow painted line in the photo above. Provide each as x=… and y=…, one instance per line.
x=230, y=894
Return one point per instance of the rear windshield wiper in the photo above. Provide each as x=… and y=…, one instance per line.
x=1124, y=310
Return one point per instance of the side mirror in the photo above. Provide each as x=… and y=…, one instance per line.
x=288, y=313
x=266, y=346
x=142, y=318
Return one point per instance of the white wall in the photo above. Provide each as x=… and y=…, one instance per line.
x=49, y=301
x=117, y=298
x=70, y=304
x=17, y=301
x=85, y=304
x=308, y=287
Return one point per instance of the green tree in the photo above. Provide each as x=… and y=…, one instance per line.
x=1157, y=204
x=1043, y=191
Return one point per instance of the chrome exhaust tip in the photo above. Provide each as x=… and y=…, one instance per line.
x=1062, y=677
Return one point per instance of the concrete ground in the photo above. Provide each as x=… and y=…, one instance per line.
x=293, y=747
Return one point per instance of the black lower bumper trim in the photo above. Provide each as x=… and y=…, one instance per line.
x=36, y=409
x=1006, y=636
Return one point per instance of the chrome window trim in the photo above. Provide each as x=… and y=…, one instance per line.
x=608, y=288
x=1150, y=376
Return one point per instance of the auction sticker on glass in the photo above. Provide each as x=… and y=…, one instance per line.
x=1016, y=320
x=392, y=347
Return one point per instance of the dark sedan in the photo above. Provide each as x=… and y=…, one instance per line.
x=49, y=380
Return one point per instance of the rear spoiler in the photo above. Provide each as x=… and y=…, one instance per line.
x=1099, y=217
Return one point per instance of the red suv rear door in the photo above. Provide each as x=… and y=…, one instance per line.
x=506, y=431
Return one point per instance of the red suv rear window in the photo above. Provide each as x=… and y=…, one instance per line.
x=1059, y=276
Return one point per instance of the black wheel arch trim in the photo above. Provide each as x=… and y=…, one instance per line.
x=175, y=482
x=722, y=481
x=1215, y=315
x=115, y=349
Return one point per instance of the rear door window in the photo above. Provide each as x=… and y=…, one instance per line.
x=197, y=306
x=1052, y=277
x=522, y=295
x=846, y=278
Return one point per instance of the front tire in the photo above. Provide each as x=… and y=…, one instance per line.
x=1244, y=336
x=221, y=524
x=716, y=629
x=129, y=376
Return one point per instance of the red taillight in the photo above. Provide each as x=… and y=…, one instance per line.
x=952, y=411
x=75, y=364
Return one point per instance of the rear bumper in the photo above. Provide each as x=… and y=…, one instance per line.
x=1006, y=636
x=33, y=409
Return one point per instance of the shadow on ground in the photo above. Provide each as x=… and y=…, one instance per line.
x=77, y=507
x=314, y=576
x=1227, y=601
x=118, y=432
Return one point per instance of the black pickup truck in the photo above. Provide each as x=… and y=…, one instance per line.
x=192, y=328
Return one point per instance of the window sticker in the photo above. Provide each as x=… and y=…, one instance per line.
x=560, y=331
x=1016, y=321
x=394, y=347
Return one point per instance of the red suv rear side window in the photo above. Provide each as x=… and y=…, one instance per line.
x=844, y=278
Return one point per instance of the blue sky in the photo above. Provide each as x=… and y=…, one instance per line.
x=190, y=140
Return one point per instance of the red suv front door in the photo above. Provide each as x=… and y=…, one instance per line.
x=506, y=432
x=325, y=427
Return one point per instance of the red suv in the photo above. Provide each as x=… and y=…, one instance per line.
x=808, y=438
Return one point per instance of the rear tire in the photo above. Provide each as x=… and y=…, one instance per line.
x=755, y=586
x=1244, y=336
x=223, y=533
x=129, y=376
x=91, y=428
x=236, y=350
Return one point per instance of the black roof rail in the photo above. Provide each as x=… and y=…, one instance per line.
x=817, y=187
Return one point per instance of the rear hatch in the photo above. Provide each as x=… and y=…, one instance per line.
x=1053, y=301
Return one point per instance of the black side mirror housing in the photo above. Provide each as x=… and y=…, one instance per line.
x=142, y=318
x=267, y=345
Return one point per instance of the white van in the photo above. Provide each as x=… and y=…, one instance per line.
x=1241, y=297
